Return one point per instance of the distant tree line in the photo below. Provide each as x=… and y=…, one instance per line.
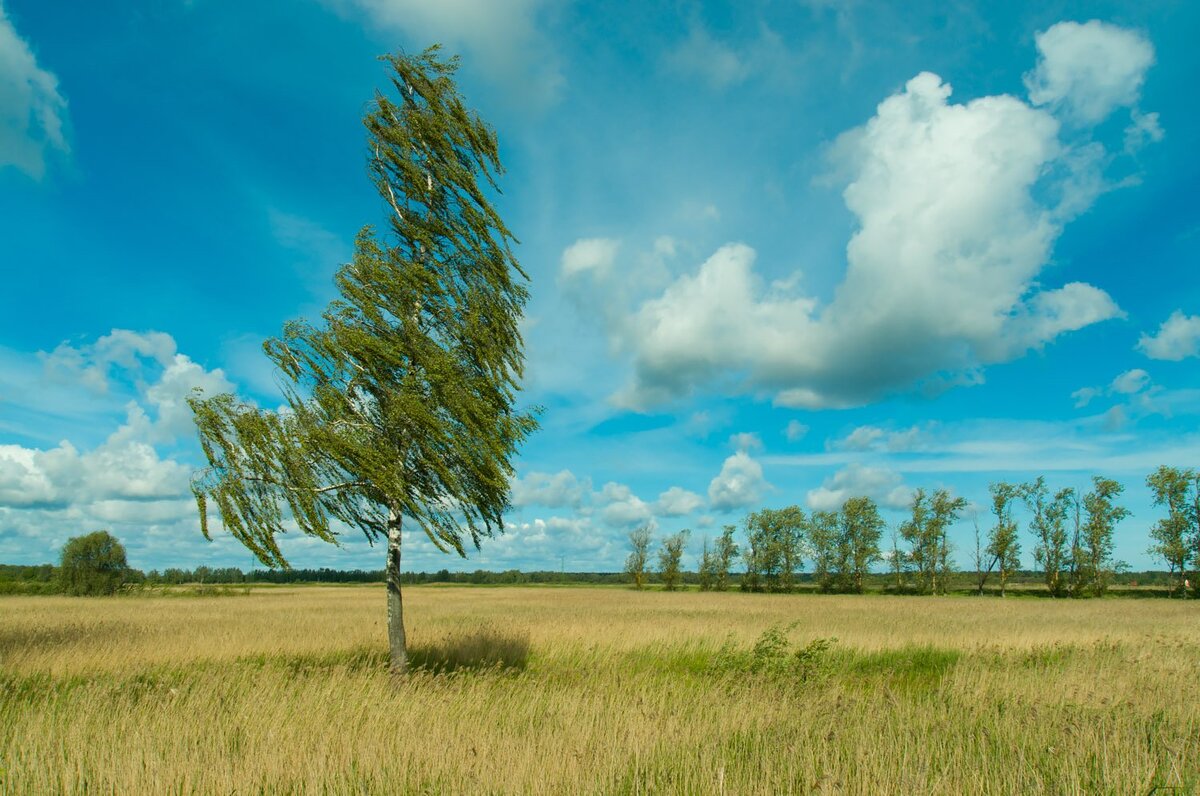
x=1071, y=533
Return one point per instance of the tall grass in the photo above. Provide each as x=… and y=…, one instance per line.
x=534, y=690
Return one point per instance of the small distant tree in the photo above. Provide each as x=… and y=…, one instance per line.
x=669, y=558
x=983, y=560
x=858, y=545
x=822, y=543
x=1002, y=538
x=708, y=568
x=93, y=565
x=1076, y=571
x=635, y=564
x=1172, y=488
x=897, y=561
x=725, y=554
x=1103, y=515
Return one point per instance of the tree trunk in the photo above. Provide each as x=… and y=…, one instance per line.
x=395, y=607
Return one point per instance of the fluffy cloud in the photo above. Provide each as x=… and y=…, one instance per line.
x=739, y=484
x=1177, y=338
x=1130, y=382
x=1089, y=69
x=864, y=438
x=621, y=507
x=677, y=502
x=505, y=37
x=551, y=490
x=32, y=111
x=958, y=209
x=856, y=480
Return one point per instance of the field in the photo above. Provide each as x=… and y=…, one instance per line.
x=598, y=690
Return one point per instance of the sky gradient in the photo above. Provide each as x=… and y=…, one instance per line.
x=780, y=253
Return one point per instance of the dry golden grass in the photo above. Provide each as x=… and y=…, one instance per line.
x=286, y=691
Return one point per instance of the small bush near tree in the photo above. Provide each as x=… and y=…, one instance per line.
x=93, y=565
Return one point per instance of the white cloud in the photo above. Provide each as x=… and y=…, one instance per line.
x=1089, y=69
x=1177, y=338
x=546, y=489
x=856, y=480
x=589, y=255
x=677, y=502
x=739, y=484
x=795, y=431
x=862, y=438
x=505, y=38
x=32, y=111
x=1130, y=382
x=621, y=507
x=942, y=272
x=1143, y=129
x=1084, y=395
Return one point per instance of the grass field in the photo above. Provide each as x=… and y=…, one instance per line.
x=285, y=690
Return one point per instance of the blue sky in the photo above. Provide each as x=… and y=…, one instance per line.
x=781, y=252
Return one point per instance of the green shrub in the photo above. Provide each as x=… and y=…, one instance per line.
x=93, y=565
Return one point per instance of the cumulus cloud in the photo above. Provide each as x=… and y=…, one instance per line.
x=739, y=484
x=677, y=502
x=958, y=208
x=747, y=441
x=32, y=111
x=1177, y=338
x=550, y=490
x=620, y=507
x=505, y=37
x=880, y=484
x=1130, y=382
x=1090, y=69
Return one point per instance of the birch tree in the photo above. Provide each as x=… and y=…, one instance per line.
x=1003, y=545
x=1172, y=487
x=401, y=400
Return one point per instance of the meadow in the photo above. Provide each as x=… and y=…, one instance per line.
x=552, y=690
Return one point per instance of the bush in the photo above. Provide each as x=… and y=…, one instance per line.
x=772, y=654
x=93, y=565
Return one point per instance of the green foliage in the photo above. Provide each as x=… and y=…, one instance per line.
x=775, y=537
x=1103, y=514
x=93, y=565
x=1048, y=523
x=860, y=528
x=639, y=556
x=401, y=401
x=1003, y=547
x=669, y=558
x=708, y=568
x=823, y=529
x=1178, y=490
x=726, y=553
x=773, y=654
x=926, y=531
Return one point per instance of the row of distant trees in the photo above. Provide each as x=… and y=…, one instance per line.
x=1071, y=533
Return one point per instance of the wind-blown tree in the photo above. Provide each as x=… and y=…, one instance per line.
x=639, y=556
x=401, y=403
x=1171, y=534
x=1103, y=514
x=1003, y=546
x=707, y=570
x=93, y=565
x=669, y=558
x=860, y=527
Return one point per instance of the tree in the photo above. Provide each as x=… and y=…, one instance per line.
x=726, y=553
x=897, y=561
x=708, y=568
x=1171, y=487
x=669, y=558
x=823, y=545
x=981, y=555
x=93, y=565
x=775, y=537
x=1003, y=546
x=1102, y=518
x=927, y=532
x=401, y=403
x=635, y=564
x=1048, y=523
x=858, y=545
